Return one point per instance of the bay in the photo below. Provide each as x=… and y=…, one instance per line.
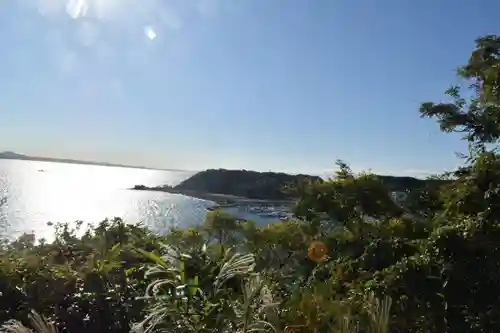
x=34, y=193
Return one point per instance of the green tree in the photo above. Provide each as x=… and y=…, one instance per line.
x=347, y=199
x=223, y=228
x=477, y=117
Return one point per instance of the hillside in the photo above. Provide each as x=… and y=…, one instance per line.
x=401, y=183
x=255, y=185
x=243, y=183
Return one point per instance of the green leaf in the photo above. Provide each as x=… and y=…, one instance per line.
x=152, y=256
x=194, y=287
x=114, y=252
x=181, y=268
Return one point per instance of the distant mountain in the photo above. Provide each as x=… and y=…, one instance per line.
x=9, y=155
x=400, y=183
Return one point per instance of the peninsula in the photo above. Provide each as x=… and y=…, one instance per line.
x=231, y=187
x=8, y=155
x=227, y=187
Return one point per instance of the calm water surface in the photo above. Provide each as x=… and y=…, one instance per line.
x=70, y=192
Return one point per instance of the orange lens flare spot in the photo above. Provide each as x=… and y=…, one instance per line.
x=317, y=251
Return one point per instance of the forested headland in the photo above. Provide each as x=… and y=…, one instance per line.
x=239, y=185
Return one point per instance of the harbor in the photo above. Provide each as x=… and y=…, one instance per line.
x=263, y=211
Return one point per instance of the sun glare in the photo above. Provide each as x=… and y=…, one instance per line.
x=150, y=33
x=118, y=11
x=78, y=9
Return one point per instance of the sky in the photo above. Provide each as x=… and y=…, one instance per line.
x=284, y=85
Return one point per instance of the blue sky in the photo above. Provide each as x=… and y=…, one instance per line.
x=287, y=85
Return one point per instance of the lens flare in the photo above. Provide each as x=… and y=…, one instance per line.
x=150, y=32
x=317, y=251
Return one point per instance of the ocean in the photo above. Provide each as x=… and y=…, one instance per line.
x=35, y=193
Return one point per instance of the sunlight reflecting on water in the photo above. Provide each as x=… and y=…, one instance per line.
x=67, y=193
x=34, y=193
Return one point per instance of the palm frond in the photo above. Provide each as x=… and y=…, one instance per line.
x=159, y=270
x=156, y=316
x=236, y=265
x=252, y=288
x=257, y=305
x=164, y=276
x=155, y=287
x=260, y=326
x=41, y=324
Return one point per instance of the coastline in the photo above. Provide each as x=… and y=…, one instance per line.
x=222, y=200
x=18, y=157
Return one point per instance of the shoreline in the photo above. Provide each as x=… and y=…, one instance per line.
x=221, y=200
x=79, y=162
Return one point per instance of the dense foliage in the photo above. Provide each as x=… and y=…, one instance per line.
x=428, y=265
x=82, y=280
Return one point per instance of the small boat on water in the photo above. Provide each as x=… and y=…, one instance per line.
x=41, y=170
